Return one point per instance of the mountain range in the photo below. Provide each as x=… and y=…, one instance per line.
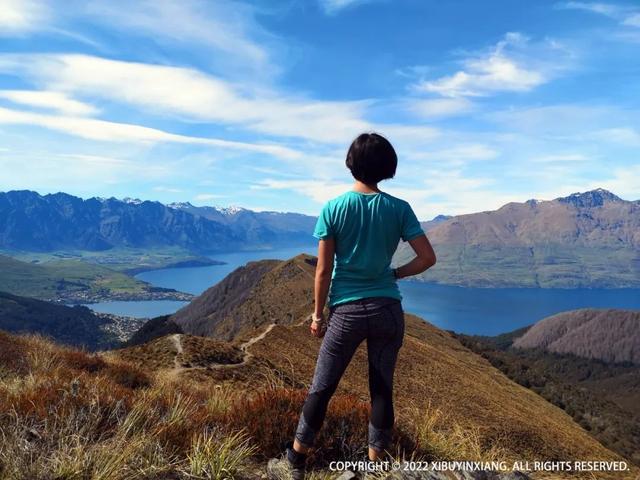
x=589, y=239
x=40, y=223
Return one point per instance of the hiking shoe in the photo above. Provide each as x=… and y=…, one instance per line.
x=290, y=467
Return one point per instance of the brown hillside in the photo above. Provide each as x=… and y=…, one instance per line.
x=596, y=218
x=588, y=239
x=260, y=293
x=606, y=334
x=437, y=380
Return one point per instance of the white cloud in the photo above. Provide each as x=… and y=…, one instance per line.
x=451, y=192
x=22, y=16
x=203, y=197
x=225, y=26
x=561, y=158
x=192, y=95
x=623, y=182
x=511, y=66
x=333, y=6
x=458, y=154
x=430, y=198
x=77, y=171
x=559, y=120
x=622, y=135
x=101, y=130
x=627, y=16
x=632, y=20
x=57, y=101
x=165, y=189
x=440, y=107
x=595, y=7
x=318, y=190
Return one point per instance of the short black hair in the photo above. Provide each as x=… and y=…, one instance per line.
x=371, y=158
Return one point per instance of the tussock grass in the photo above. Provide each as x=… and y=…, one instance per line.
x=218, y=458
x=439, y=437
x=67, y=414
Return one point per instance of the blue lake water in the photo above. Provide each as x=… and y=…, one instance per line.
x=483, y=311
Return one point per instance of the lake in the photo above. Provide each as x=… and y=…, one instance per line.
x=482, y=311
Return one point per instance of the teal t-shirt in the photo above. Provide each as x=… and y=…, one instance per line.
x=367, y=228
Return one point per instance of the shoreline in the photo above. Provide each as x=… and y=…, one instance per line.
x=72, y=300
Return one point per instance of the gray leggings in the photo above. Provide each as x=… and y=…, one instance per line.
x=379, y=320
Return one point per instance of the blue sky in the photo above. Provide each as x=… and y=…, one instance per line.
x=255, y=104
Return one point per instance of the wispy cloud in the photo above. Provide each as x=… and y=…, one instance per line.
x=333, y=6
x=595, y=7
x=440, y=107
x=628, y=136
x=625, y=15
x=48, y=100
x=102, y=130
x=226, y=26
x=562, y=158
x=190, y=94
x=318, y=190
x=82, y=172
x=22, y=16
x=165, y=189
x=512, y=65
x=204, y=197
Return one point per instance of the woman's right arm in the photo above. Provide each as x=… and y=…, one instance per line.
x=425, y=258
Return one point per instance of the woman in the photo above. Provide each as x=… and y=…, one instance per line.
x=360, y=229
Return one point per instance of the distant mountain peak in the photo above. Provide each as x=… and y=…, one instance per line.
x=180, y=205
x=132, y=201
x=592, y=198
x=230, y=210
x=441, y=218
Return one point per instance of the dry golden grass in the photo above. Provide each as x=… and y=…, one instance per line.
x=148, y=410
x=73, y=415
x=487, y=415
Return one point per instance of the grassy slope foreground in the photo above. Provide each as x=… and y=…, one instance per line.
x=439, y=383
x=74, y=281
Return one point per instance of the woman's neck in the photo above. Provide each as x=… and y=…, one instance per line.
x=359, y=186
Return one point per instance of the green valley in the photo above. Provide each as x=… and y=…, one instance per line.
x=76, y=281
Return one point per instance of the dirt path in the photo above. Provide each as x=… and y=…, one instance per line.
x=177, y=344
x=257, y=338
x=177, y=368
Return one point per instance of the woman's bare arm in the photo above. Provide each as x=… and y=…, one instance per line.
x=425, y=258
x=324, y=269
